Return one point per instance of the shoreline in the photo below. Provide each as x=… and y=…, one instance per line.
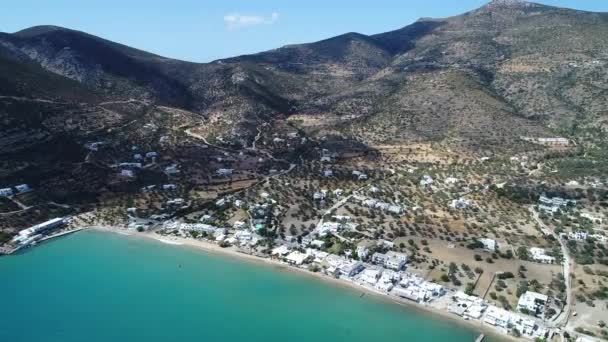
x=210, y=248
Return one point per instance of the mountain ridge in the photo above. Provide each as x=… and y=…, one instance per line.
x=496, y=46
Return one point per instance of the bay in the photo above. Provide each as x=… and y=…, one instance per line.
x=95, y=286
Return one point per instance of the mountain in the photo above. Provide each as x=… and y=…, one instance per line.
x=479, y=80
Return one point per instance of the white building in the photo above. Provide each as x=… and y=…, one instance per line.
x=127, y=173
x=426, y=180
x=317, y=243
x=280, y=251
x=539, y=255
x=172, y=169
x=21, y=188
x=329, y=228
x=460, y=203
x=176, y=201
x=362, y=252
x=5, y=192
x=498, y=317
x=533, y=302
x=328, y=173
x=578, y=236
x=169, y=187
x=394, y=260
x=224, y=172
x=488, y=244
x=370, y=276
x=318, y=196
x=451, y=181
x=296, y=258
x=395, y=209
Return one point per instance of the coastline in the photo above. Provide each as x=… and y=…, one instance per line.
x=207, y=247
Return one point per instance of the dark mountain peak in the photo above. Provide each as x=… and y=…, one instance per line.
x=39, y=30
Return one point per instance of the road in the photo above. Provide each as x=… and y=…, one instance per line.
x=562, y=318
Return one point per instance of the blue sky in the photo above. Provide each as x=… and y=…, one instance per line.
x=204, y=30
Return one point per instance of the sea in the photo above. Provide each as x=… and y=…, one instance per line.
x=98, y=286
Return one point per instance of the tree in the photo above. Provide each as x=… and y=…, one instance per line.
x=469, y=288
x=522, y=253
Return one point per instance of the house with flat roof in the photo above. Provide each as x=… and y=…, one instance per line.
x=224, y=172
x=394, y=260
x=6, y=192
x=539, y=255
x=21, y=188
x=296, y=258
x=370, y=276
x=280, y=251
x=532, y=302
x=488, y=244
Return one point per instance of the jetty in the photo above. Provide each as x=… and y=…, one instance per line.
x=480, y=338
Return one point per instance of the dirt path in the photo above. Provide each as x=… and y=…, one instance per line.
x=562, y=318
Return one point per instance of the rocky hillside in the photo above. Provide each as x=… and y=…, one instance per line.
x=483, y=78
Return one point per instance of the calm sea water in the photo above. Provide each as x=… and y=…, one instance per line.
x=94, y=286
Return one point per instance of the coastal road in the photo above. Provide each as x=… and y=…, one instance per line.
x=562, y=318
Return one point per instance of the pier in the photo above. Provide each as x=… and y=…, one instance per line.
x=480, y=338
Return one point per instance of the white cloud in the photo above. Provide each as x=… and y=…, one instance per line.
x=235, y=21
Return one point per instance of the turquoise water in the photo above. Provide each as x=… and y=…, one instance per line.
x=94, y=286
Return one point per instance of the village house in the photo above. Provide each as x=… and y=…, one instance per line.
x=176, y=201
x=394, y=260
x=224, y=172
x=206, y=218
x=378, y=258
x=578, y=236
x=426, y=180
x=329, y=228
x=280, y=251
x=370, y=276
x=552, y=205
x=6, y=192
x=362, y=252
x=21, y=188
x=532, y=302
x=342, y=266
x=328, y=173
x=395, y=209
x=317, y=243
x=127, y=173
x=172, y=169
x=414, y=287
x=151, y=155
x=539, y=255
x=296, y=258
x=460, y=203
x=451, y=181
x=488, y=244
x=318, y=196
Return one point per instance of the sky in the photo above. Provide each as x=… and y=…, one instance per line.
x=205, y=30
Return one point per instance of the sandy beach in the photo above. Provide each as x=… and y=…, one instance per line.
x=281, y=266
